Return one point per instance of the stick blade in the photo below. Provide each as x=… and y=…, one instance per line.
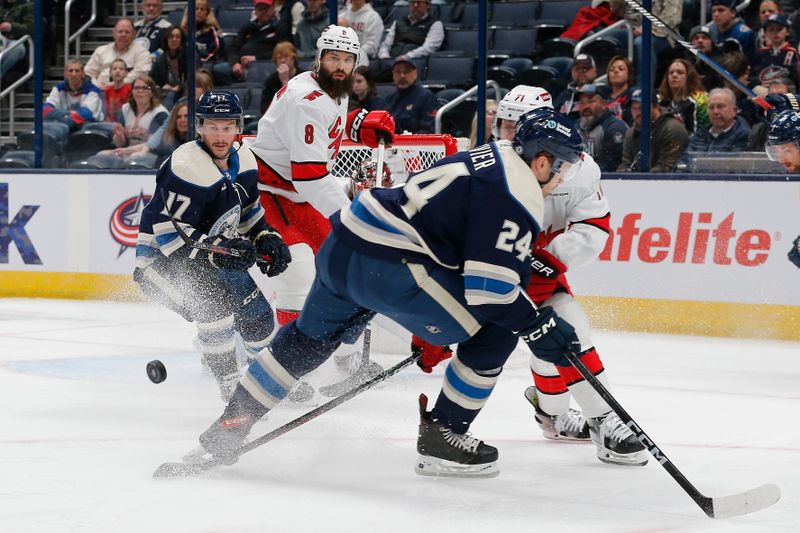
x=178, y=470
x=746, y=502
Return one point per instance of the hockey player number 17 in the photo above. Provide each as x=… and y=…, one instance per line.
x=436, y=178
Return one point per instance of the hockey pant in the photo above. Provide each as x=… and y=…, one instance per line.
x=553, y=384
x=303, y=229
x=219, y=301
x=426, y=299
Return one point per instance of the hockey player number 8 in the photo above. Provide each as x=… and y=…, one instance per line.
x=437, y=178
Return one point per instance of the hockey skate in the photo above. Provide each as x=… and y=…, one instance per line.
x=447, y=454
x=226, y=436
x=227, y=384
x=302, y=392
x=570, y=426
x=357, y=367
x=616, y=444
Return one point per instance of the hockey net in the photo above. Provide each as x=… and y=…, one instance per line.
x=408, y=153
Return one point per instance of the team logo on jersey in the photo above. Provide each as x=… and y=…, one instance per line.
x=124, y=222
x=433, y=329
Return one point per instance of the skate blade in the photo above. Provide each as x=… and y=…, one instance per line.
x=562, y=438
x=431, y=466
x=631, y=459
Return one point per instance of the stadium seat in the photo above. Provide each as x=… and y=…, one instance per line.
x=559, y=12
x=305, y=64
x=469, y=17
x=518, y=65
x=516, y=41
x=447, y=95
x=259, y=71
x=555, y=47
x=562, y=65
x=243, y=93
x=446, y=12
x=86, y=143
x=505, y=76
x=464, y=41
x=513, y=13
x=143, y=161
x=602, y=50
x=175, y=16
x=232, y=18
x=253, y=109
x=52, y=147
x=17, y=159
x=397, y=12
x=538, y=76
x=99, y=161
x=458, y=121
x=450, y=71
x=385, y=89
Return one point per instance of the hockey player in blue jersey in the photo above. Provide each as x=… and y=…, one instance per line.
x=444, y=256
x=208, y=187
x=783, y=146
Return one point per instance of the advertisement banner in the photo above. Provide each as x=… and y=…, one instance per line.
x=705, y=241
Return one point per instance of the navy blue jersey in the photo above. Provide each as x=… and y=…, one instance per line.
x=203, y=199
x=475, y=212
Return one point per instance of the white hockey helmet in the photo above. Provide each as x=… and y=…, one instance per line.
x=338, y=38
x=517, y=102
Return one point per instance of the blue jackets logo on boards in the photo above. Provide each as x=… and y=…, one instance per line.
x=14, y=231
x=124, y=222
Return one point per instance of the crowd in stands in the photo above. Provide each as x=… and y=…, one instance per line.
x=136, y=84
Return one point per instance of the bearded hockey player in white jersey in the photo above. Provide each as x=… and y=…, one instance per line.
x=208, y=187
x=443, y=256
x=575, y=230
x=297, y=142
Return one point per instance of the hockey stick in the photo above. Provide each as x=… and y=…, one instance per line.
x=192, y=243
x=636, y=6
x=736, y=504
x=170, y=470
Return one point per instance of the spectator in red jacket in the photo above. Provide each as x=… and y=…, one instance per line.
x=595, y=17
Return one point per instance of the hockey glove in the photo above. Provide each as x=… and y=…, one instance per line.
x=369, y=127
x=550, y=336
x=429, y=354
x=794, y=253
x=545, y=269
x=241, y=253
x=271, y=247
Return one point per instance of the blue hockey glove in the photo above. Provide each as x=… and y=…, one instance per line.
x=794, y=253
x=550, y=336
x=241, y=254
x=271, y=247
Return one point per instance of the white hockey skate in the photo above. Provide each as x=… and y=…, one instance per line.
x=616, y=444
x=569, y=426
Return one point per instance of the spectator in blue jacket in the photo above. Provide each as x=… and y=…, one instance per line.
x=603, y=133
x=727, y=25
x=412, y=106
x=728, y=131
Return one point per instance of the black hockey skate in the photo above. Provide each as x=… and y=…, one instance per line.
x=570, y=426
x=224, y=439
x=616, y=444
x=447, y=454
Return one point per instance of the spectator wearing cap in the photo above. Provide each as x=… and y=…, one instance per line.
x=314, y=19
x=412, y=106
x=700, y=36
x=727, y=25
x=584, y=71
x=602, y=132
x=728, y=131
x=778, y=53
x=136, y=57
x=255, y=41
x=668, y=137
x=367, y=24
x=416, y=35
x=765, y=9
x=683, y=93
x=151, y=27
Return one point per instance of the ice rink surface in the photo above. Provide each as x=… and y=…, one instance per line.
x=82, y=430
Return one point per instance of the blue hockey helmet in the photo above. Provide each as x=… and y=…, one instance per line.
x=217, y=104
x=543, y=130
x=783, y=130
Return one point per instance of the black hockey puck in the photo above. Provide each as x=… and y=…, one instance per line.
x=156, y=371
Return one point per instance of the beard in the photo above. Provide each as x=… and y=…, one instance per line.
x=335, y=88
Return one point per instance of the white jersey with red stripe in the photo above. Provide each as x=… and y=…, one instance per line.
x=298, y=139
x=576, y=218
